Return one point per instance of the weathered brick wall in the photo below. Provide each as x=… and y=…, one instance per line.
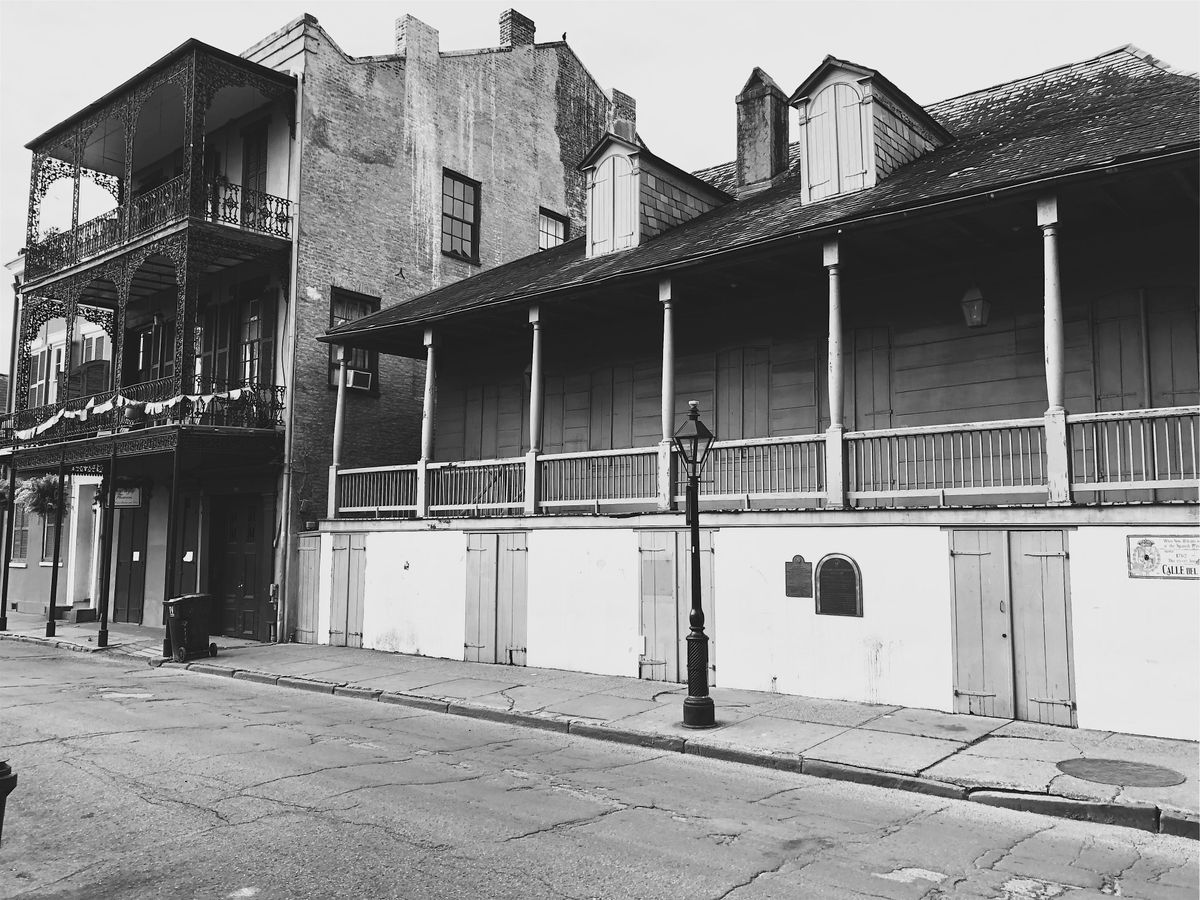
x=377, y=133
x=665, y=201
x=897, y=141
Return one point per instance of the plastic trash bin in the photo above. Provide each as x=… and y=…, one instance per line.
x=186, y=618
x=8, y=781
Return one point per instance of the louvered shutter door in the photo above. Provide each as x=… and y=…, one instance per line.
x=849, y=137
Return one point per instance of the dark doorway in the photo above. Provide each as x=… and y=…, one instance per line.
x=238, y=553
x=130, y=589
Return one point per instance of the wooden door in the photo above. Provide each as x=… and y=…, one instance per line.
x=983, y=663
x=129, y=592
x=665, y=589
x=511, y=599
x=497, y=598
x=480, y=642
x=308, y=588
x=1041, y=628
x=1012, y=640
x=349, y=584
x=237, y=545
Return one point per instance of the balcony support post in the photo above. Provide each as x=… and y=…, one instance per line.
x=536, y=393
x=10, y=510
x=428, y=423
x=1058, y=455
x=835, y=450
x=666, y=456
x=339, y=423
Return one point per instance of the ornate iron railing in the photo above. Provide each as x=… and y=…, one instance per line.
x=164, y=204
x=601, y=477
x=468, y=487
x=231, y=204
x=391, y=489
x=53, y=252
x=948, y=460
x=1135, y=449
x=99, y=234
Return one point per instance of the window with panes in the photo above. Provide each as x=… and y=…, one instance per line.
x=349, y=306
x=460, y=216
x=553, y=229
x=20, y=535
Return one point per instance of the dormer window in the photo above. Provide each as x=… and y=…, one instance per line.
x=835, y=142
x=612, y=207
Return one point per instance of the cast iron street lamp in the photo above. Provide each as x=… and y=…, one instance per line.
x=693, y=441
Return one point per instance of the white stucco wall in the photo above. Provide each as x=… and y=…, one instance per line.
x=1137, y=640
x=583, y=601
x=898, y=652
x=415, y=593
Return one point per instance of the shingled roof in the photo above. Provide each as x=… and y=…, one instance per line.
x=1122, y=106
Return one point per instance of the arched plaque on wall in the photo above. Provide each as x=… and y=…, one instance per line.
x=839, y=586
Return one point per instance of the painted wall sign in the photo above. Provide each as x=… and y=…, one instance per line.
x=797, y=578
x=1164, y=555
x=127, y=496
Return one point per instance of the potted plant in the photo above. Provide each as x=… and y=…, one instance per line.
x=40, y=495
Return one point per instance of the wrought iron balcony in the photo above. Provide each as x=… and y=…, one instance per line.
x=225, y=404
x=222, y=203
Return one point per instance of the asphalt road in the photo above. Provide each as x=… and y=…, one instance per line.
x=146, y=783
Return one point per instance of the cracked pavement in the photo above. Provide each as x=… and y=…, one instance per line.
x=137, y=782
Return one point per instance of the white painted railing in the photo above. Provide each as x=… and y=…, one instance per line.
x=600, y=477
x=489, y=484
x=1135, y=449
x=946, y=460
x=781, y=468
x=388, y=489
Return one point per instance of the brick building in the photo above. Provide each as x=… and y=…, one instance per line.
x=251, y=202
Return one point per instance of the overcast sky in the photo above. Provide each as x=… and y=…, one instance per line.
x=683, y=61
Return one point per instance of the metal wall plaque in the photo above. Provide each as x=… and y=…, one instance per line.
x=127, y=496
x=839, y=586
x=1163, y=556
x=797, y=578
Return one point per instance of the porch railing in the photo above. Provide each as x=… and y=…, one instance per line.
x=947, y=460
x=463, y=487
x=159, y=206
x=392, y=489
x=232, y=204
x=600, y=477
x=782, y=468
x=983, y=462
x=1135, y=449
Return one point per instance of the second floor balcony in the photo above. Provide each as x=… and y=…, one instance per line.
x=201, y=135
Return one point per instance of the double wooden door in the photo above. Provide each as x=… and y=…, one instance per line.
x=1012, y=625
x=666, y=601
x=240, y=549
x=496, y=598
x=129, y=589
x=349, y=587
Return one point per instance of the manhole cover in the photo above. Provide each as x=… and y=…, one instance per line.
x=1120, y=771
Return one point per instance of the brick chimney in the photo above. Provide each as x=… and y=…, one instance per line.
x=762, y=133
x=415, y=40
x=624, y=115
x=516, y=30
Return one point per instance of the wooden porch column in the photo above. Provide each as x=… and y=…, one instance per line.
x=666, y=459
x=428, y=414
x=835, y=451
x=339, y=423
x=536, y=393
x=1058, y=456
x=9, y=516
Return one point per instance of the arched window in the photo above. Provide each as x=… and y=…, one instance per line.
x=611, y=207
x=839, y=586
x=835, y=145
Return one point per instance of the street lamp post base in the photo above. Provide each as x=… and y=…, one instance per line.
x=699, y=712
x=49, y=628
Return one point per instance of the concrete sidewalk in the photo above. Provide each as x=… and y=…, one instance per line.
x=1124, y=779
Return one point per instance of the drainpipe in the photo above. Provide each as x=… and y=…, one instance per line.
x=287, y=541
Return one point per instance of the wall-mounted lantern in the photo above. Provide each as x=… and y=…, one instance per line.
x=975, y=308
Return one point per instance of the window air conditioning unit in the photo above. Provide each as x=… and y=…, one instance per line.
x=358, y=379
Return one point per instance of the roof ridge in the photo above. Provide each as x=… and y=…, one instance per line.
x=1130, y=49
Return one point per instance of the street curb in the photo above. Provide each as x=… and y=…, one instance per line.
x=257, y=677
x=624, y=736
x=507, y=716
x=210, y=669
x=49, y=642
x=764, y=759
x=1143, y=816
x=359, y=693
x=820, y=768
x=1179, y=823
x=425, y=703
x=306, y=684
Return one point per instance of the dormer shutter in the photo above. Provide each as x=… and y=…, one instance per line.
x=611, y=209
x=836, y=153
